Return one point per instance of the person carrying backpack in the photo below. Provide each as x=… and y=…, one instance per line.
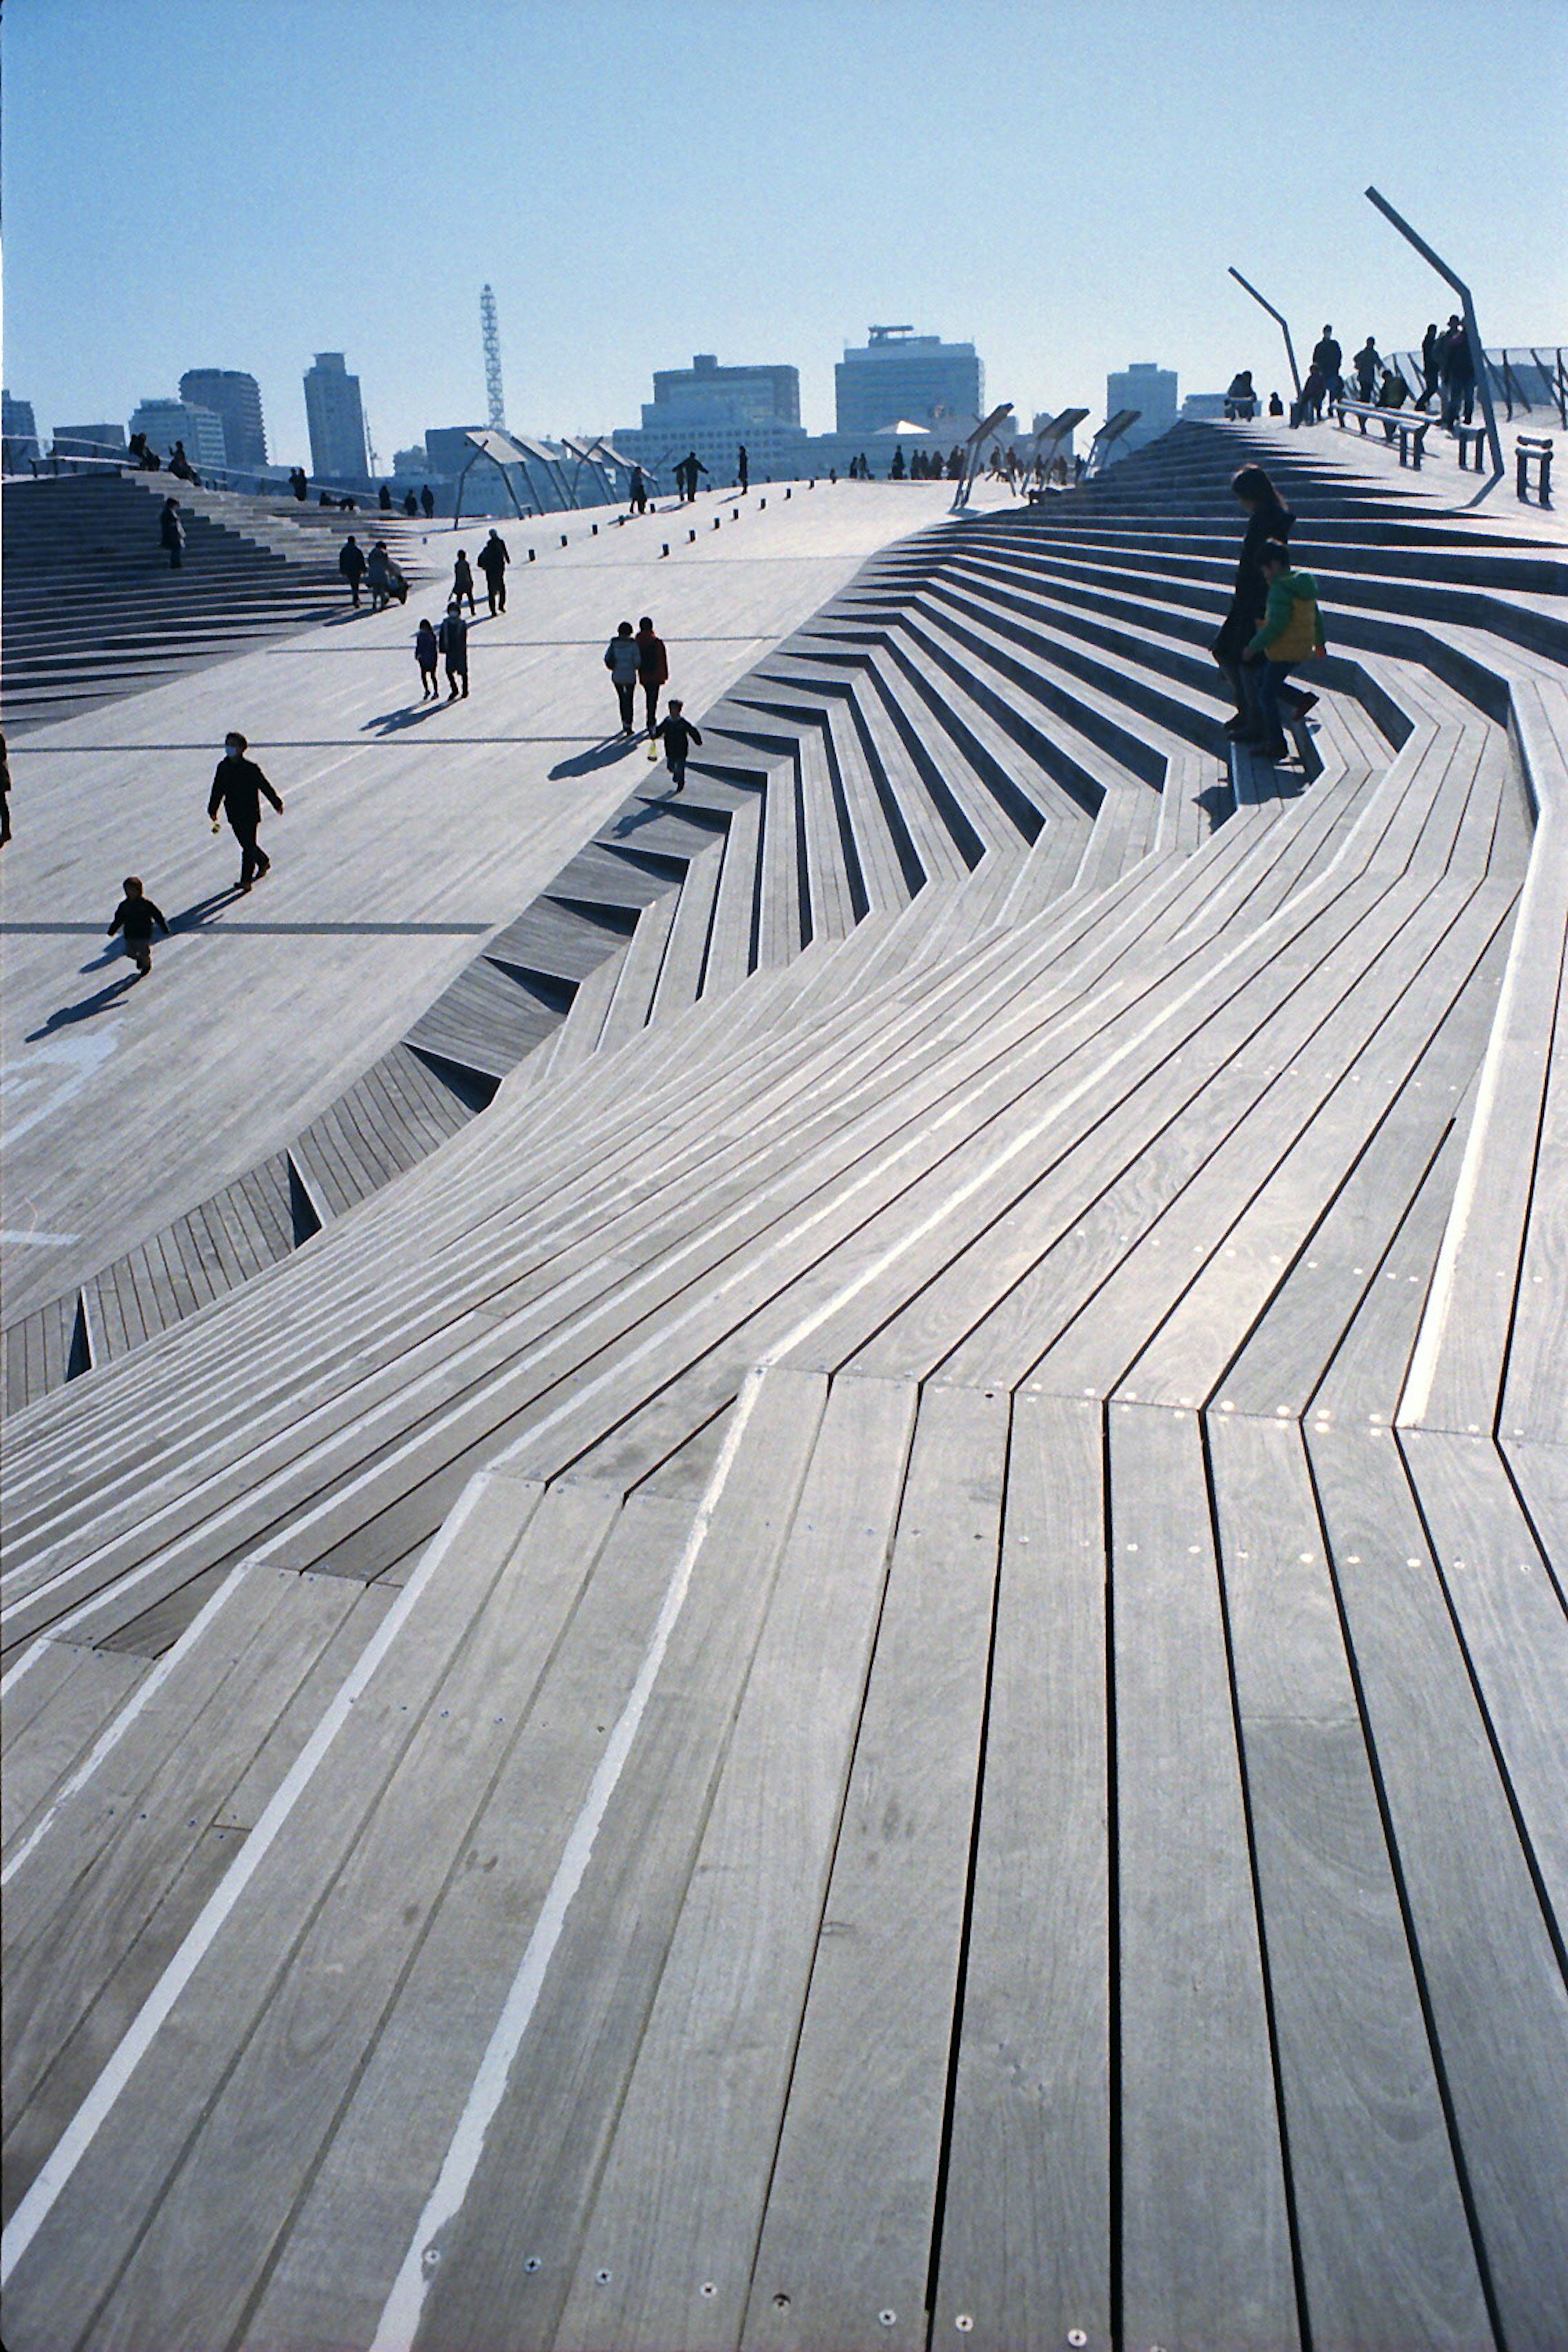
x=1291, y=631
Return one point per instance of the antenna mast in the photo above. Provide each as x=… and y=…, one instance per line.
x=494, y=392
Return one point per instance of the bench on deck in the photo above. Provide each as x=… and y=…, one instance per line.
x=1411, y=429
x=1472, y=441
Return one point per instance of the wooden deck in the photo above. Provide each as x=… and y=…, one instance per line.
x=852, y=1631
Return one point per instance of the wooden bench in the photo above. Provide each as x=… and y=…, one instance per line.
x=1412, y=430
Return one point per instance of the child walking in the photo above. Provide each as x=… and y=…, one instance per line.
x=137, y=917
x=677, y=735
x=1291, y=631
x=428, y=654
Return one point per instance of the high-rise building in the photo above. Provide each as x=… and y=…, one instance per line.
x=164, y=422
x=897, y=377
x=333, y=410
x=237, y=398
x=745, y=394
x=715, y=410
x=1152, y=391
x=18, y=431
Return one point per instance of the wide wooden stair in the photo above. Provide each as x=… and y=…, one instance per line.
x=878, y=1656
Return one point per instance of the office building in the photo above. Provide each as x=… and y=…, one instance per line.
x=1152, y=391
x=164, y=422
x=237, y=398
x=336, y=419
x=897, y=377
x=18, y=430
x=740, y=394
x=714, y=410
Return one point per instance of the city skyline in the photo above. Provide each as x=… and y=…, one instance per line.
x=812, y=175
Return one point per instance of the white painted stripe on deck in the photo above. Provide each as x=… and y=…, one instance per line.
x=110, y=1738
x=134, y=2043
x=399, y=2322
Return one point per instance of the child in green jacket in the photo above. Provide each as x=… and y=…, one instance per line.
x=1291, y=631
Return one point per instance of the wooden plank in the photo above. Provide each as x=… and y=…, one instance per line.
x=258, y=1651
x=1492, y=1978
x=1509, y=1616
x=545, y=2145
x=1024, y=2256
x=1196, y=1343
x=730, y=941
x=51, y=1719
x=680, y=2198
x=1385, y=2249
x=681, y=971
x=1347, y=1252
x=632, y=1004
x=848, y=2233
x=1363, y=1380
x=144, y=2142
x=1205, y=2245
x=342, y=2250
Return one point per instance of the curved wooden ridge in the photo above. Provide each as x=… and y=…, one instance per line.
x=858, y=1637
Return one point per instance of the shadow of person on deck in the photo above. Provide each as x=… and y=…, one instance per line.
x=99, y=1003
x=603, y=755
x=389, y=722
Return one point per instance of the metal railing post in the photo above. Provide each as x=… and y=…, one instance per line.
x=1472, y=332
x=1278, y=316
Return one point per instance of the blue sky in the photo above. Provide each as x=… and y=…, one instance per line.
x=243, y=183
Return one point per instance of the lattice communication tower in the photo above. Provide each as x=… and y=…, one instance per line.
x=493, y=392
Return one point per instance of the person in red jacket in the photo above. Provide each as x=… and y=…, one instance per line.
x=653, y=668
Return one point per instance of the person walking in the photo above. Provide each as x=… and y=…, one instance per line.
x=677, y=735
x=136, y=919
x=410, y=504
x=694, y=466
x=1291, y=631
x=623, y=662
x=428, y=654
x=637, y=491
x=383, y=498
x=743, y=468
x=350, y=563
x=427, y=502
x=653, y=669
x=1328, y=358
x=494, y=557
x=452, y=640
x=378, y=577
x=463, y=582
x=239, y=789
x=172, y=533
x=1367, y=362
x=1431, y=364
x=1269, y=522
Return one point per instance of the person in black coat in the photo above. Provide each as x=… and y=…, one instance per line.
x=350, y=563
x=135, y=919
x=1268, y=518
x=1328, y=357
x=494, y=557
x=427, y=501
x=239, y=789
x=172, y=533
